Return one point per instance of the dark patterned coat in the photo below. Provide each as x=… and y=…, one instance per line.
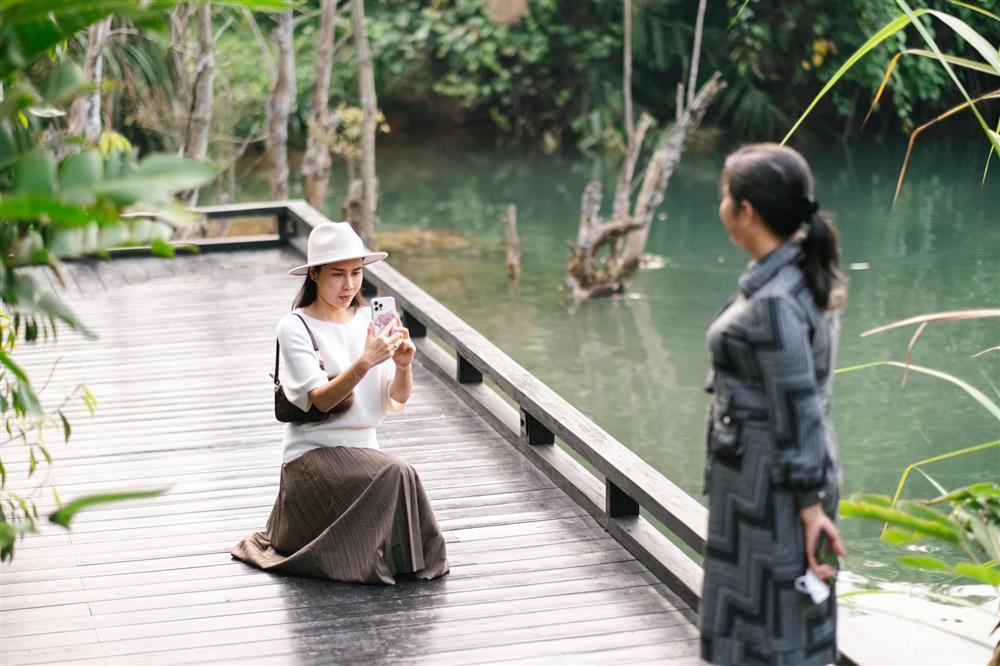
x=771, y=449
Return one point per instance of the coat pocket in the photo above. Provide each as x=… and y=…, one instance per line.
x=724, y=437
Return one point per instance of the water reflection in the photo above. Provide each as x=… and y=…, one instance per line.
x=371, y=623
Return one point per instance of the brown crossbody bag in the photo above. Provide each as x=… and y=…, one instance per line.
x=284, y=410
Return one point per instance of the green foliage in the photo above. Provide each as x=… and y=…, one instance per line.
x=816, y=38
x=530, y=80
x=969, y=532
x=60, y=197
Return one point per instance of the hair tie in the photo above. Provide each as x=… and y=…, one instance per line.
x=809, y=208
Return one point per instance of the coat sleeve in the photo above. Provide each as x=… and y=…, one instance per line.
x=300, y=372
x=784, y=355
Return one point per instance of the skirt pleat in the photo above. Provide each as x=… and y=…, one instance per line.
x=349, y=514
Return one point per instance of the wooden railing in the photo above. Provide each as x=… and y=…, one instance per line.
x=538, y=418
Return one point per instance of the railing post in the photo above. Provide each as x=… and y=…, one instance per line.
x=414, y=325
x=286, y=227
x=533, y=432
x=617, y=504
x=467, y=373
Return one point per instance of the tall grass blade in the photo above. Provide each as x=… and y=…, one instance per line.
x=964, y=30
x=950, y=112
x=977, y=41
x=931, y=480
x=997, y=348
x=881, y=87
x=975, y=9
x=927, y=461
x=989, y=156
x=736, y=18
x=953, y=315
x=976, y=394
x=909, y=351
x=955, y=60
x=888, y=30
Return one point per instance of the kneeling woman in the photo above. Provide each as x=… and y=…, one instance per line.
x=345, y=510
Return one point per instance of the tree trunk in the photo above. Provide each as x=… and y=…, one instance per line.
x=623, y=188
x=200, y=117
x=317, y=161
x=353, y=209
x=661, y=166
x=179, y=18
x=696, y=51
x=627, y=73
x=626, y=232
x=513, y=242
x=85, y=113
x=279, y=107
x=369, y=108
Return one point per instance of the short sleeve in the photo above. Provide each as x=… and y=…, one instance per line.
x=301, y=372
x=784, y=356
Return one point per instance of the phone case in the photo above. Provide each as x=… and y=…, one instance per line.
x=383, y=312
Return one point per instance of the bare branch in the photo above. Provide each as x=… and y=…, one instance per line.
x=627, y=72
x=696, y=51
x=623, y=189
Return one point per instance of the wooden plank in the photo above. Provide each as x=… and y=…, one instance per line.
x=475, y=603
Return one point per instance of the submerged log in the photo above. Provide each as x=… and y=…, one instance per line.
x=513, y=242
x=587, y=274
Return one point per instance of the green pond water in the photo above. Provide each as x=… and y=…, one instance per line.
x=636, y=364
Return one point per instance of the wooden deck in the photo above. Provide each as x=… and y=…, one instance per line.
x=180, y=374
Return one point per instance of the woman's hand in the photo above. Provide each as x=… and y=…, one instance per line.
x=815, y=522
x=405, y=351
x=380, y=347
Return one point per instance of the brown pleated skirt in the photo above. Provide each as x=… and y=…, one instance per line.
x=349, y=514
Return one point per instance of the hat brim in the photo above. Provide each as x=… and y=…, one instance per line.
x=366, y=259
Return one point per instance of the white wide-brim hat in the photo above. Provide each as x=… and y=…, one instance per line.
x=331, y=242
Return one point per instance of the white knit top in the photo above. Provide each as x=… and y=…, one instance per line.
x=340, y=345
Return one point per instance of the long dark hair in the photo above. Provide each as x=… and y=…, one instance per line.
x=778, y=183
x=308, y=293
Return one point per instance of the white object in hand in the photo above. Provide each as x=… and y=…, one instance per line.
x=809, y=583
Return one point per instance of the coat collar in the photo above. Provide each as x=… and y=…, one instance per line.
x=758, y=273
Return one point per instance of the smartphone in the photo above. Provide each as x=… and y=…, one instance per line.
x=383, y=312
x=825, y=553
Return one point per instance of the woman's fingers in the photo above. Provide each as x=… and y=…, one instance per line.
x=824, y=571
x=835, y=542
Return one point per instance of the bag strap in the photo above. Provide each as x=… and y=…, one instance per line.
x=312, y=338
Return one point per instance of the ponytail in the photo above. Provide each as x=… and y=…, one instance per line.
x=820, y=260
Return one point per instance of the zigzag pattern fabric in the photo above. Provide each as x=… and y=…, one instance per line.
x=771, y=449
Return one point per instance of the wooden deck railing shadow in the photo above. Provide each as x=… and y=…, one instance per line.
x=540, y=417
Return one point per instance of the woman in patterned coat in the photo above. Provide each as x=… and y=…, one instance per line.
x=771, y=472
